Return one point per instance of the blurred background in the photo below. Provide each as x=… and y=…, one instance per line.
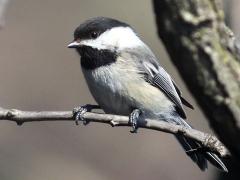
x=38, y=72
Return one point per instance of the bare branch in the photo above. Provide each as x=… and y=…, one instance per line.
x=208, y=141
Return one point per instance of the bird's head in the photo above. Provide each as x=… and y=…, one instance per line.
x=99, y=41
x=103, y=33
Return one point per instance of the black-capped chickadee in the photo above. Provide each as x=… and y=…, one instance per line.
x=125, y=78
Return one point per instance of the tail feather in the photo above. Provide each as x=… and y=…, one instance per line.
x=216, y=161
x=189, y=146
x=199, y=157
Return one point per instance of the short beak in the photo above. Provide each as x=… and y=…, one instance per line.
x=74, y=44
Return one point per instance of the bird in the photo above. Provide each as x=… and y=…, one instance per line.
x=126, y=78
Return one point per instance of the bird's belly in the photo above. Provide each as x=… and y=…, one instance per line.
x=108, y=92
x=110, y=102
x=120, y=93
x=149, y=98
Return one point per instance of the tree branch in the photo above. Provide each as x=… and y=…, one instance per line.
x=208, y=141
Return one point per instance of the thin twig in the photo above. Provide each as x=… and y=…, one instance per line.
x=208, y=141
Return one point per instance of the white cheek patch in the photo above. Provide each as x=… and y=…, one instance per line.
x=117, y=38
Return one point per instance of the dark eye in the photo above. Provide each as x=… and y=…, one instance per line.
x=94, y=34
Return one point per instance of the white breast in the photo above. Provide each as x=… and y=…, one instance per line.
x=118, y=89
x=108, y=89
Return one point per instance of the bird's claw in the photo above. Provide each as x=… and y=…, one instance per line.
x=78, y=113
x=133, y=120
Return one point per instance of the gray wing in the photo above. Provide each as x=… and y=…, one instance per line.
x=183, y=100
x=162, y=80
x=157, y=76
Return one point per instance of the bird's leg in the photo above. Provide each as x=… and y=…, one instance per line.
x=133, y=120
x=79, y=111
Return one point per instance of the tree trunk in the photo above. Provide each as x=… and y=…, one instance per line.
x=203, y=50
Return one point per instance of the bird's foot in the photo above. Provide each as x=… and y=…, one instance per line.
x=133, y=120
x=79, y=111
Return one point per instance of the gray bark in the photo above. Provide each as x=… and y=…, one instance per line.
x=203, y=50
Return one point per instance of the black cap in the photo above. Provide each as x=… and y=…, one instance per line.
x=93, y=27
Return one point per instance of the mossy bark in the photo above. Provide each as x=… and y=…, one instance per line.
x=203, y=50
